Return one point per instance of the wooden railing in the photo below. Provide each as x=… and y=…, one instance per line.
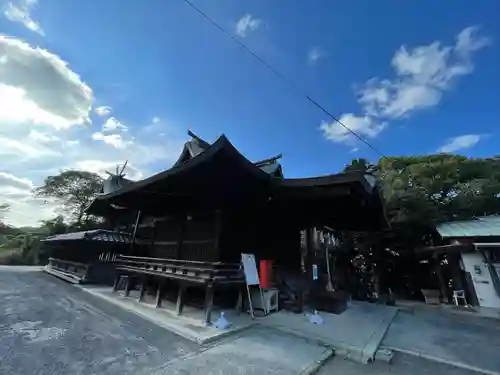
x=77, y=269
x=207, y=275
x=183, y=270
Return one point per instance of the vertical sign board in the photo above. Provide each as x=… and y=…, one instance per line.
x=251, y=278
x=250, y=269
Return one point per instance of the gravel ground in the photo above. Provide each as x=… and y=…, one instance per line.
x=50, y=327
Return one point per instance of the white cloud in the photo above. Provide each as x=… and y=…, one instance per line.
x=112, y=124
x=24, y=209
x=43, y=137
x=156, y=120
x=468, y=41
x=26, y=74
x=246, y=25
x=41, y=101
x=461, y=142
x=100, y=167
x=24, y=149
x=115, y=140
x=20, y=11
x=364, y=126
x=315, y=54
x=14, y=181
x=422, y=75
x=75, y=150
x=103, y=110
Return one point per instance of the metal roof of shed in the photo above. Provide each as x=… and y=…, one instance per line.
x=488, y=226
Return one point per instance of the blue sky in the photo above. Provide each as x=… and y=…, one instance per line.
x=89, y=84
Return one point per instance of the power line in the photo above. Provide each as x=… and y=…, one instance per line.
x=276, y=72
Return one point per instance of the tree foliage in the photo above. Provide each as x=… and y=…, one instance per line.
x=55, y=225
x=420, y=192
x=425, y=190
x=74, y=189
x=430, y=189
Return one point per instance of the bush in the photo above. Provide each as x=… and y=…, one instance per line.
x=28, y=254
x=12, y=258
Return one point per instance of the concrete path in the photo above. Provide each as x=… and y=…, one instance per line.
x=257, y=351
x=402, y=364
x=50, y=327
x=188, y=325
x=466, y=342
x=356, y=333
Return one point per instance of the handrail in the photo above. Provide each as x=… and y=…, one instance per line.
x=181, y=269
x=184, y=242
x=177, y=261
x=67, y=262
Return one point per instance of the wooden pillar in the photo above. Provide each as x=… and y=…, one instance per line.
x=142, y=290
x=439, y=273
x=153, y=238
x=116, y=282
x=180, y=238
x=128, y=286
x=217, y=232
x=239, y=301
x=158, y=293
x=209, y=301
x=180, y=302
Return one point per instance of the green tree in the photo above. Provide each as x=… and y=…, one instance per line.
x=425, y=190
x=55, y=225
x=362, y=165
x=420, y=192
x=74, y=189
x=4, y=228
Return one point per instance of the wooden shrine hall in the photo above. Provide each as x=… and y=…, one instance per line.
x=191, y=223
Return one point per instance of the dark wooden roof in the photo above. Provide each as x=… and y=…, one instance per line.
x=220, y=176
x=99, y=235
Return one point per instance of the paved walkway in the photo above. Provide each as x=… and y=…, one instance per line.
x=356, y=333
x=402, y=364
x=50, y=327
x=258, y=351
x=468, y=342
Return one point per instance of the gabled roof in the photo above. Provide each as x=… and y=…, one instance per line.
x=197, y=146
x=113, y=183
x=272, y=169
x=100, y=235
x=487, y=226
x=220, y=165
x=217, y=175
x=192, y=148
